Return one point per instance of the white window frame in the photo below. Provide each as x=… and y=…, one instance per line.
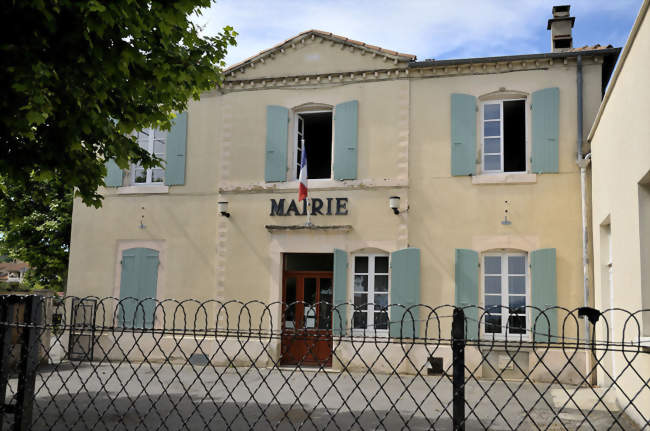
x=150, y=149
x=370, y=329
x=297, y=133
x=505, y=302
x=483, y=137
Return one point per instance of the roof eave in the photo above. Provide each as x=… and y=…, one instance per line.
x=548, y=55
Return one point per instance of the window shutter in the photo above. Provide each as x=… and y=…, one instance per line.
x=139, y=280
x=339, y=314
x=128, y=288
x=113, y=174
x=149, y=282
x=345, y=140
x=545, y=112
x=277, y=125
x=404, y=291
x=463, y=134
x=543, y=293
x=466, y=294
x=176, y=149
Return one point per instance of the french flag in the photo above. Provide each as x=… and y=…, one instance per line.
x=302, y=178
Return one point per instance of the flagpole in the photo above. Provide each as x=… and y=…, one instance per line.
x=307, y=199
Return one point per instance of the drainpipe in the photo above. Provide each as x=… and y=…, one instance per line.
x=583, y=162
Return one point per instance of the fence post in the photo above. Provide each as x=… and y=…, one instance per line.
x=6, y=314
x=458, y=366
x=29, y=358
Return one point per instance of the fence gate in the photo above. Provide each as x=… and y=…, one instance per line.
x=82, y=329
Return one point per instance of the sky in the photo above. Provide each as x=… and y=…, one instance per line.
x=439, y=29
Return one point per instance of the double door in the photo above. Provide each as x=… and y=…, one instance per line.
x=307, y=318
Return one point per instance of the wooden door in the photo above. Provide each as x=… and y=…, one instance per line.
x=307, y=318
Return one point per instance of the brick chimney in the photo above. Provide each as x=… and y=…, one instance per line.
x=561, y=26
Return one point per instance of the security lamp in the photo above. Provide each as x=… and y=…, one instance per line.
x=222, y=207
x=393, y=203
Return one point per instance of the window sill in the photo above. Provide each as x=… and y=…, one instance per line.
x=505, y=178
x=644, y=342
x=143, y=190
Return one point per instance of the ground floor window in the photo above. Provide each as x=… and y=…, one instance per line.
x=505, y=287
x=371, y=283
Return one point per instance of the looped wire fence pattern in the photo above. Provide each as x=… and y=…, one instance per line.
x=106, y=363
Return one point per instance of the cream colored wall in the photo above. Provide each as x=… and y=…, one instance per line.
x=317, y=56
x=383, y=121
x=451, y=212
x=180, y=223
x=621, y=158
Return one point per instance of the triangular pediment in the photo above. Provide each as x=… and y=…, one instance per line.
x=316, y=52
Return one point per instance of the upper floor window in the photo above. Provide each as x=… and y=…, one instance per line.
x=505, y=287
x=314, y=134
x=508, y=136
x=371, y=292
x=330, y=137
x=504, y=136
x=153, y=141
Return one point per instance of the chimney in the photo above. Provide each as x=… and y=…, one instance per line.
x=560, y=26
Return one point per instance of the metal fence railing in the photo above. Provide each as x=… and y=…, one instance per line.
x=105, y=363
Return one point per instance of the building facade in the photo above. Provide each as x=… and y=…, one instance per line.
x=481, y=153
x=621, y=213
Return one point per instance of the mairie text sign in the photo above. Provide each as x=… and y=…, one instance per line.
x=326, y=206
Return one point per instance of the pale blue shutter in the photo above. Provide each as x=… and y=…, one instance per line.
x=113, y=174
x=545, y=113
x=148, y=284
x=404, y=293
x=543, y=293
x=346, y=135
x=277, y=129
x=176, y=149
x=339, y=314
x=466, y=295
x=138, y=285
x=463, y=134
x=128, y=288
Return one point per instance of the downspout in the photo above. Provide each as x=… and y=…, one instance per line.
x=583, y=162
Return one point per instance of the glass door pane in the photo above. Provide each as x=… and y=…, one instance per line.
x=310, y=303
x=325, y=304
x=290, y=301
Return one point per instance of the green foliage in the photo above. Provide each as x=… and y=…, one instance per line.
x=79, y=76
x=35, y=221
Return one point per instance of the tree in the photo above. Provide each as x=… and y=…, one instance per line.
x=79, y=76
x=35, y=221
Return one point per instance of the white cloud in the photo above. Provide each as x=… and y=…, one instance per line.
x=460, y=28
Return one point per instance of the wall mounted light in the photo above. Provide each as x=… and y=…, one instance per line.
x=222, y=208
x=393, y=203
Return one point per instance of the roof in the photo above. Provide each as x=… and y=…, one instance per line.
x=573, y=52
x=13, y=266
x=595, y=47
x=325, y=35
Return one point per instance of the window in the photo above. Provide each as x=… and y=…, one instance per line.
x=505, y=287
x=154, y=141
x=371, y=292
x=314, y=132
x=504, y=136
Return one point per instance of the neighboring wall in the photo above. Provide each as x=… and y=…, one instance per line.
x=621, y=199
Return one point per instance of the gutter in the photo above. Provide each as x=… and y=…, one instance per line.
x=619, y=66
x=582, y=164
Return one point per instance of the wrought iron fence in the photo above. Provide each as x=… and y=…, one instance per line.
x=105, y=363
